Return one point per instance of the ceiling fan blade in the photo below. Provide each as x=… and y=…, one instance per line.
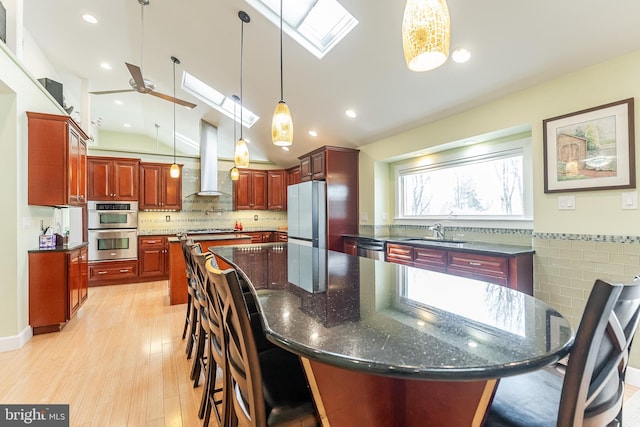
x=136, y=74
x=182, y=102
x=106, y=92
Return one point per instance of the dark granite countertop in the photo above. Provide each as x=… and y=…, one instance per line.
x=210, y=231
x=388, y=319
x=227, y=235
x=70, y=247
x=476, y=247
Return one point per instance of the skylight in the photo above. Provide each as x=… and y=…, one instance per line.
x=215, y=99
x=318, y=25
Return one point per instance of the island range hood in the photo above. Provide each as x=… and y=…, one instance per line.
x=209, y=160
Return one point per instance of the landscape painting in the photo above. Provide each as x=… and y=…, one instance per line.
x=590, y=149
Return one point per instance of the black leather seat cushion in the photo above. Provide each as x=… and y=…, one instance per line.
x=530, y=400
x=286, y=393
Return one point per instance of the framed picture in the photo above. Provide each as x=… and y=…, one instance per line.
x=591, y=149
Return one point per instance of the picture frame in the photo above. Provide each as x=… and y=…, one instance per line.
x=591, y=149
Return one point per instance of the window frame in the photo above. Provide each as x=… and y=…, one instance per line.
x=470, y=154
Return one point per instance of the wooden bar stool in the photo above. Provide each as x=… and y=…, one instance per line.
x=194, y=313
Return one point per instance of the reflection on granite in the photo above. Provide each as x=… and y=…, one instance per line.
x=393, y=320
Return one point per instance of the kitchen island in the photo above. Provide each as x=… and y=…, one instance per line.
x=388, y=344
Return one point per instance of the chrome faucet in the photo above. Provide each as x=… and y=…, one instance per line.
x=438, y=231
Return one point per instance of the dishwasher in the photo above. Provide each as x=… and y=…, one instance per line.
x=371, y=248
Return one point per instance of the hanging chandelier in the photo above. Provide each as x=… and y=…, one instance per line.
x=241, y=156
x=282, y=122
x=426, y=29
x=174, y=170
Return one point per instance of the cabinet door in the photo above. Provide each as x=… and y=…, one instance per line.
x=84, y=274
x=305, y=169
x=293, y=175
x=259, y=184
x=125, y=179
x=350, y=246
x=150, y=186
x=172, y=189
x=242, y=191
x=73, y=267
x=277, y=190
x=494, y=269
x=100, y=177
x=82, y=172
x=152, y=254
x=430, y=259
x=74, y=166
x=318, y=166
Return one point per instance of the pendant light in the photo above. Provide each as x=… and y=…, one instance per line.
x=234, y=172
x=282, y=123
x=426, y=29
x=241, y=156
x=174, y=171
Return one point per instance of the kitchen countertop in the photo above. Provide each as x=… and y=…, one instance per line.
x=70, y=247
x=204, y=231
x=211, y=237
x=356, y=313
x=476, y=247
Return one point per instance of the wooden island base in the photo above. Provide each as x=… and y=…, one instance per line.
x=346, y=398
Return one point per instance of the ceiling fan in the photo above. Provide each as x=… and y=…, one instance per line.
x=138, y=83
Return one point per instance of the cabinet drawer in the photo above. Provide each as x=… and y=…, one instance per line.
x=400, y=254
x=433, y=259
x=478, y=264
x=151, y=241
x=113, y=270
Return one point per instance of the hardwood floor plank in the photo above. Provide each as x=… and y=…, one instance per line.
x=120, y=362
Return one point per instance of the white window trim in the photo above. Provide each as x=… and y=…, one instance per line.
x=458, y=155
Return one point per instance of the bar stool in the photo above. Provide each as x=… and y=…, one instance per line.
x=201, y=301
x=265, y=388
x=184, y=239
x=194, y=313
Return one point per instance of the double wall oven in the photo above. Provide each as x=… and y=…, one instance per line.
x=113, y=230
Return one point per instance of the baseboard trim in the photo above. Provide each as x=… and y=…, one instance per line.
x=632, y=376
x=15, y=342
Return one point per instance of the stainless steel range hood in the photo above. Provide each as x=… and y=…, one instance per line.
x=208, y=160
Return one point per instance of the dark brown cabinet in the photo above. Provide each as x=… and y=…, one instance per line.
x=513, y=271
x=350, y=246
x=57, y=161
x=313, y=166
x=58, y=286
x=113, y=178
x=293, y=175
x=277, y=190
x=113, y=272
x=158, y=190
x=261, y=236
x=153, y=257
x=250, y=190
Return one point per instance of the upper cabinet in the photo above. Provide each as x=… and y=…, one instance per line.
x=157, y=189
x=277, y=190
x=293, y=175
x=250, y=190
x=113, y=178
x=313, y=166
x=57, y=161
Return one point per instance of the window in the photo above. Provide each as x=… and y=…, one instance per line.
x=485, y=181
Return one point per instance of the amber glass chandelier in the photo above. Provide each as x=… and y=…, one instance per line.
x=234, y=172
x=425, y=34
x=282, y=123
x=174, y=170
x=242, y=150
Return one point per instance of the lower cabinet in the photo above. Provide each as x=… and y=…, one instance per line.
x=513, y=271
x=113, y=272
x=350, y=246
x=58, y=286
x=153, y=257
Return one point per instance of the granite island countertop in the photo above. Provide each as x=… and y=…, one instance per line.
x=394, y=320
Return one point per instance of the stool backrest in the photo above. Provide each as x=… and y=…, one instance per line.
x=243, y=363
x=593, y=388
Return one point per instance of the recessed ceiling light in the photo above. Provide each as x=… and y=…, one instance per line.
x=90, y=18
x=351, y=114
x=461, y=55
x=117, y=101
x=313, y=133
x=285, y=148
x=105, y=66
x=127, y=125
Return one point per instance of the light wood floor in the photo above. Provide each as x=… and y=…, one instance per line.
x=120, y=363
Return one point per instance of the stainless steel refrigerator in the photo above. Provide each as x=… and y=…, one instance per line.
x=307, y=214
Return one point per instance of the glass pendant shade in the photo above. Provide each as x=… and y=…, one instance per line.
x=174, y=171
x=426, y=29
x=282, y=126
x=235, y=174
x=242, y=154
